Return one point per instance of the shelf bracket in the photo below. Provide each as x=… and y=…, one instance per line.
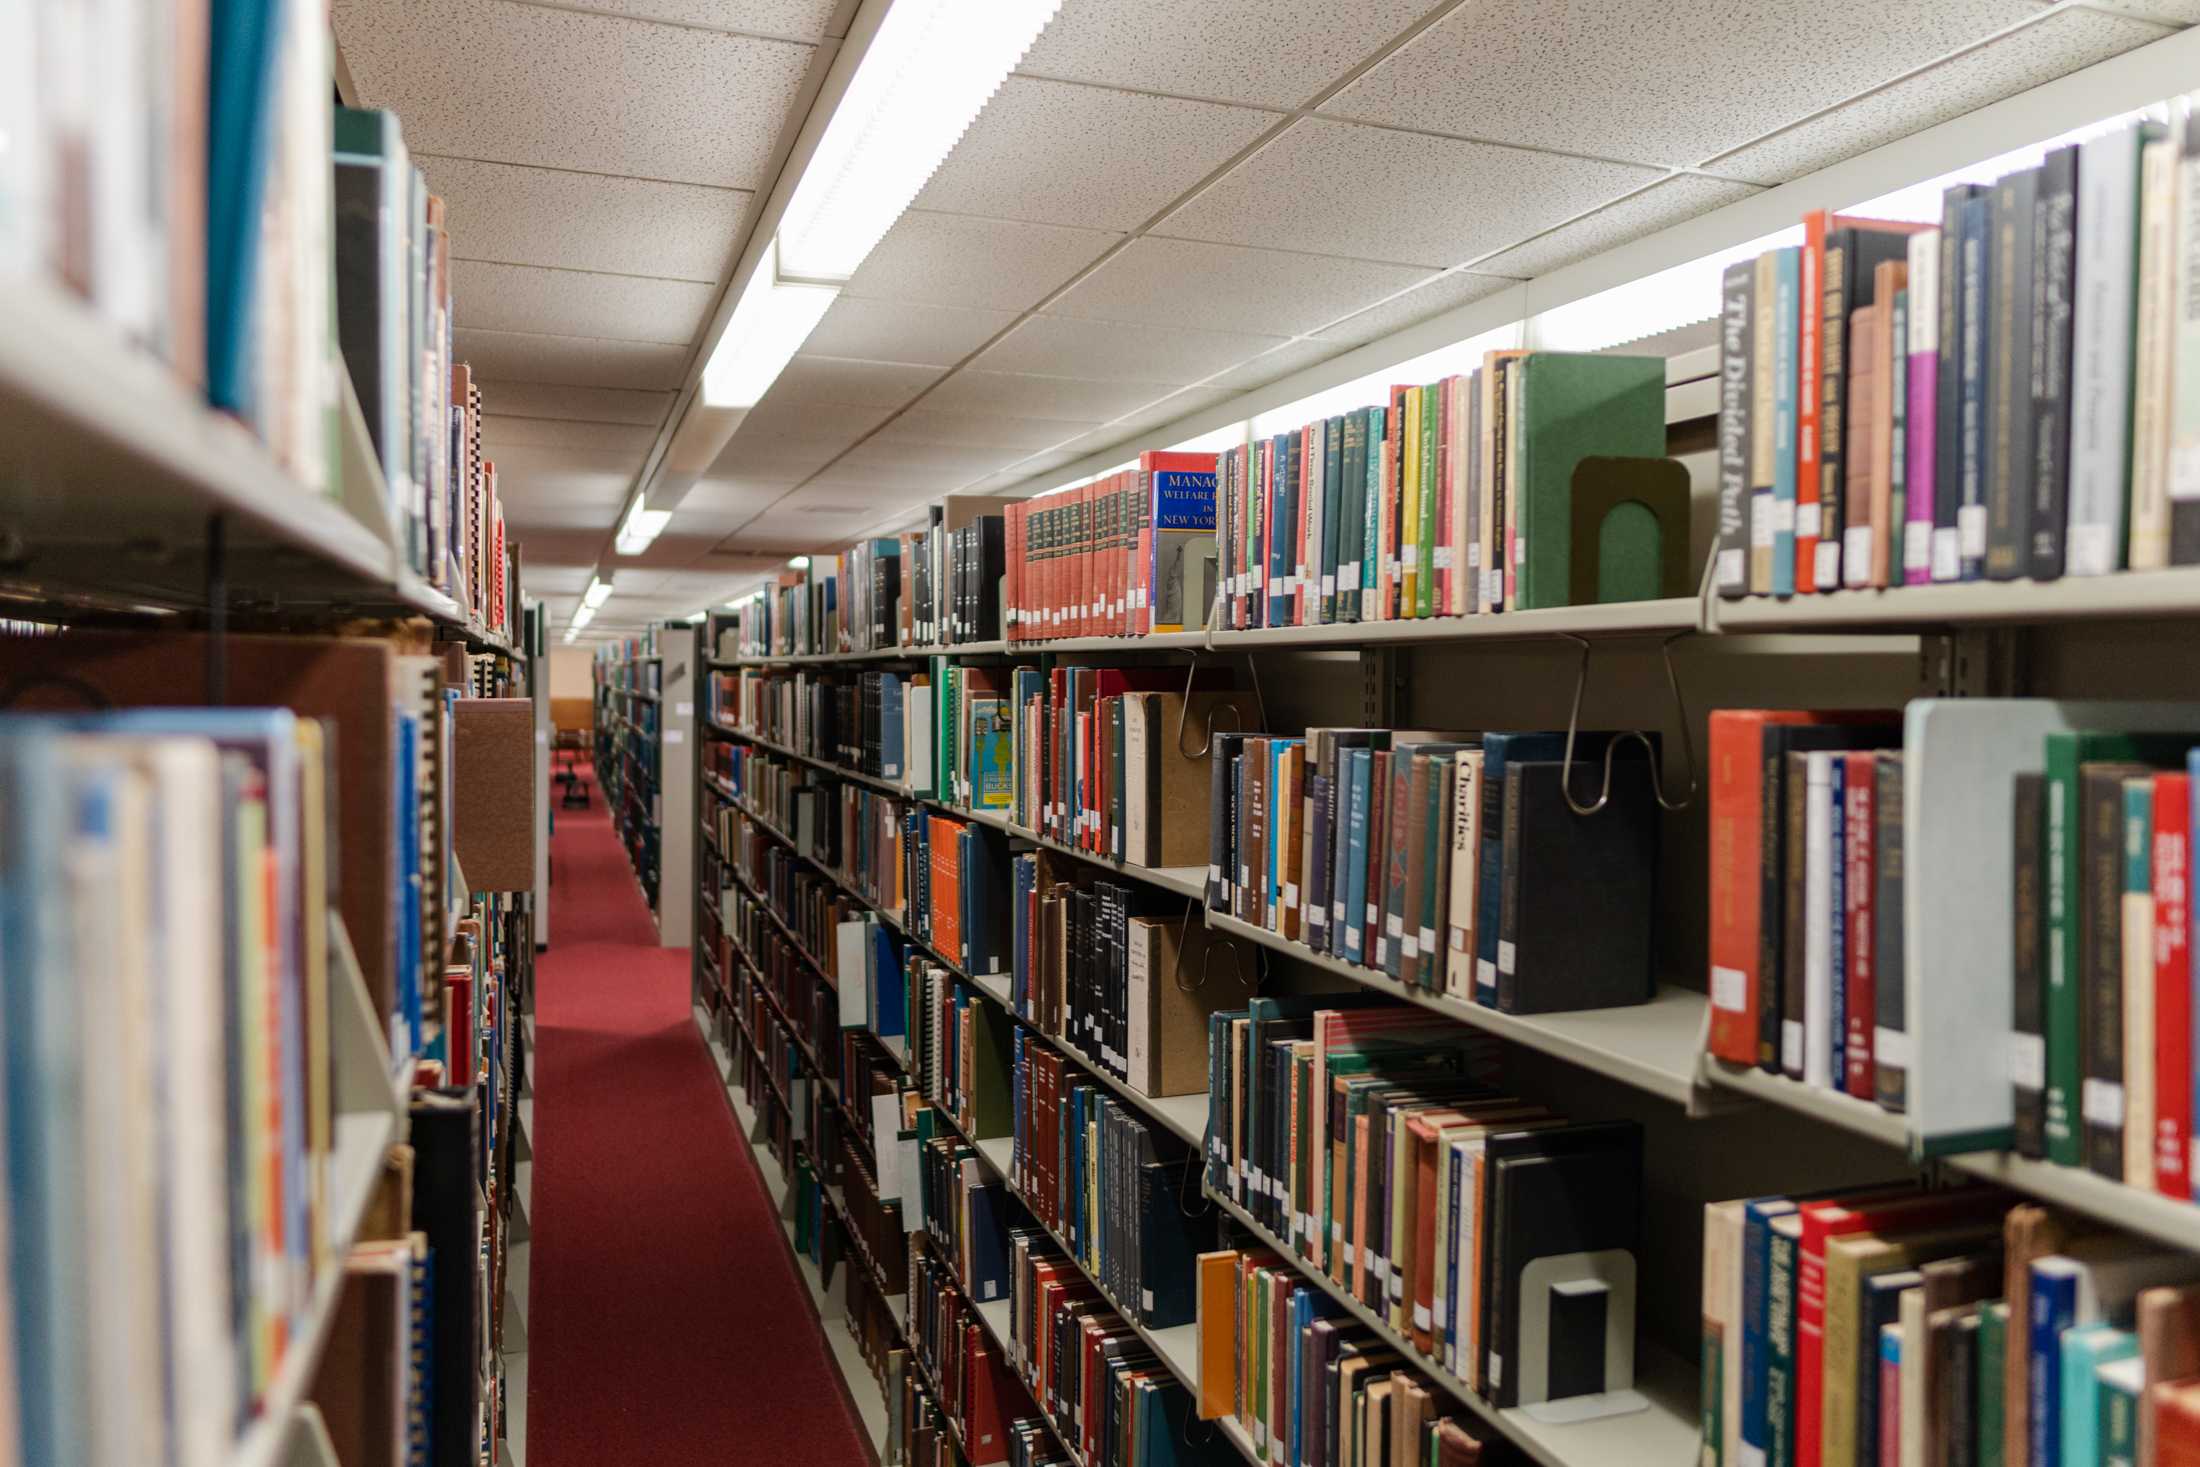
x=1974, y=662
x=1382, y=687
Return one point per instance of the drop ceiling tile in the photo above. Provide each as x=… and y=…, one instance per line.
x=1652, y=82
x=836, y=423
x=556, y=580
x=588, y=404
x=499, y=430
x=959, y=460
x=585, y=221
x=2169, y=12
x=1369, y=192
x=1023, y=394
x=1457, y=288
x=1144, y=425
x=577, y=303
x=1269, y=365
x=794, y=20
x=964, y=260
x=2060, y=44
x=900, y=331
x=1182, y=282
x=1054, y=153
x=1653, y=209
x=1274, y=53
x=577, y=361
x=563, y=89
x=862, y=495
x=925, y=423
x=1176, y=355
x=729, y=497
x=811, y=379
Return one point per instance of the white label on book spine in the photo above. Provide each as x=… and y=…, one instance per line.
x=1393, y=925
x=1729, y=988
x=1760, y=520
x=1856, y=550
x=1290, y=893
x=1971, y=530
x=1371, y=914
x=1828, y=564
x=1485, y=974
x=1398, y=1287
x=1520, y=550
x=1891, y=1047
x=1809, y=519
x=1420, y=1316
x=1428, y=939
x=1409, y=947
x=1329, y=585
x=2104, y=1102
x=1947, y=561
x=1443, y=557
x=1733, y=569
x=683, y=710
x=1917, y=547
x=1214, y=873
x=2092, y=550
x=1318, y=916
x=1791, y=1045
x=675, y=736
x=2028, y=1061
x=1504, y=956
x=1783, y=516
x=1348, y=575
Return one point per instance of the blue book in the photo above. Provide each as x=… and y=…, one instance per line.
x=1275, y=520
x=1499, y=750
x=889, y=992
x=1757, y=1216
x=1837, y=1019
x=890, y=713
x=1786, y=293
x=1351, y=926
x=1882, y=1307
x=2054, y=1310
x=2085, y=1349
x=1974, y=278
x=240, y=126
x=987, y=1243
x=1378, y=419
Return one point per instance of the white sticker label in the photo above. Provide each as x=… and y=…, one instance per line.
x=1791, y=1044
x=1290, y=893
x=1971, y=530
x=1783, y=516
x=1733, y=569
x=675, y=736
x=1443, y=557
x=1420, y=1316
x=1729, y=988
x=1520, y=550
x=2028, y=1061
x=1947, y=563
x=1393, y=925
x=683, y=710
x=1409, y=947
x=1760, y=520
x=1809, y=519
x=1504, y=956
x=1318, y=916
x=1857, y=549
x=1428, y=939
x=1828, y=564
x=1371, y=914
x=1917, y=548
x=1891, y=1047
x=1214, y=873
x=1329, y=585
x=2104, y=1102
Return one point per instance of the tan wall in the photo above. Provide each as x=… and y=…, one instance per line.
x=570, y=675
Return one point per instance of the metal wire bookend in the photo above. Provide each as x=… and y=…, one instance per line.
x=1611, y=747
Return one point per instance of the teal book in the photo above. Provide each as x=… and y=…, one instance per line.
x=1574, y=405
x=2084, y=1351
x=2119, y=1385
x=1352, y=881
x=992, y=754
x=1371, y=537
x=1786, y=324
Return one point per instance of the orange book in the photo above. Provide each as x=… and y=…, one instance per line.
x=2174, y=1407
x=946, y=888
x=1217, y=1315
x=1737, y=817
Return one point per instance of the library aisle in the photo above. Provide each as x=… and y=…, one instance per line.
x=654, y=1237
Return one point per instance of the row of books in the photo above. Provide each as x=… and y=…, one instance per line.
x=2012, y=393
x=1455, y=863
x=1893, y=1326
x=1369, y=1140
x=1309, y=1385
x=1125, y=555
x=1811, y=969
x=1116, y=972
x=978, y=1392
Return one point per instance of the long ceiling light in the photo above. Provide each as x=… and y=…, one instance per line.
x=774, y=316
x=929, y=70
x=641, y=526
x=598, y=592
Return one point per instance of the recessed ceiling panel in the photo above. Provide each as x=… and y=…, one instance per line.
x=577, y=361
x=1654, y=208
x=1648, y=81
x=561, y=89
x=1060, y=154
x=723, y=503
x=1181, y=282
x=963, y=260
x=577, y=302
x=501, y=431
x=588, y=404
x=1274, y=53
x=988, y=387
x=1055, y=344
x=1382, y=195
x=820, y=379
x=587, y=221
x=1441, y=294
x=901, y=331
x=2169, y=12
x=2056, y=46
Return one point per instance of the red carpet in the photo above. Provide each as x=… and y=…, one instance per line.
x=667, y=1324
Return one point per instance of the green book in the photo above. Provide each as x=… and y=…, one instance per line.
x=2066, y=751
x=1432, y=411
x=1786, y=1243
x=1332, y=517
x=990, y=1088
x=1575, y=406
x=1993, y=1348
x=1371, y=523
x=1351, y=514
x=2120, y=1385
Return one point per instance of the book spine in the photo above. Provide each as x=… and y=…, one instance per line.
x=1772, y=875
x=1787, y=286
x=1792, y=975
x=2184, y=414
x=2054, y=257
x=1866, y=362
x=1762, y=357
x=1860, y=892
x=1837, y=927
x=2100, y=373
x=1890, y=1037
x=2172, y=984
x=1974, y=281
x=1817, y=1010
x=2138, y=978
x=1736, y=340
x=2153, y=358
x=1737, y=820
x=2009, y=379
x=1779, y=1440
x=2101, y=1024
x=1890, y=521
x=1810, y=330
x=1837, y=292
x=1508, y=921
x=1946, y=561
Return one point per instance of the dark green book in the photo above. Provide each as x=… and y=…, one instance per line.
x=1993, y=1346
x=1574, y=405
x=1351, y=515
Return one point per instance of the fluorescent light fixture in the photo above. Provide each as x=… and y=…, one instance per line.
x=582, y=616
x=928, y=72
x=598, y=592
x=697, y=618
x=774, y=316
x=800, y=562
x=642, y=525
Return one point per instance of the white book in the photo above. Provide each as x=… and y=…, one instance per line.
x=2184, y=413
x=2156, y=331
x=1137, y=791
x=1818, y=921
x=1138, y=983
x=1466, y=851
x=917, y=737
x=2101, y=349
x=851, y=948
x=1910, y=1315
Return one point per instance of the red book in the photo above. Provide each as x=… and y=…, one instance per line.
x=1737, y=848
x=2172, y=984
x=458, y=1018
x=1857, y=807
x=1126, y=545
x=1809, y=336
x=1897, y=1211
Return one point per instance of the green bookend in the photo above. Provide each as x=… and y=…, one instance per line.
x=1575, y=406
x=1629, y=531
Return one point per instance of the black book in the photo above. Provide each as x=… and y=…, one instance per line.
x=1891, y=1071
x=988, y=563
x=446, y=1206
x=2009, y=377
x=1948, y=387
x=1974, y=285
x=1222, y=821
x=1560, y=867
x=1853, y=253
x=2101, y=958
x=1737, y=296
x=1554, y=1194
x=1881, y=1306
x=1322, y=800
x=2054, y=286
